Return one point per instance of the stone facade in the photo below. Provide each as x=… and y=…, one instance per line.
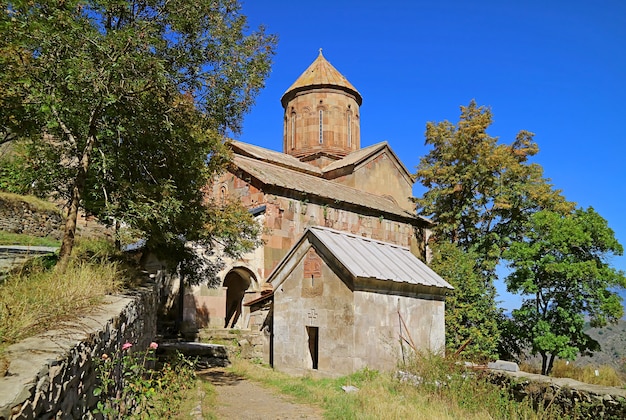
x=322, y=178
x=53, y=375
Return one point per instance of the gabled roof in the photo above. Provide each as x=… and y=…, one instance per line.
x=359, y=156
x=320, y=74
x=271, y=156
x=363, y=258
x=270, y=174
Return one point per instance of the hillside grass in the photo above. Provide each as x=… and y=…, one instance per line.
x=445, y=390
x=34, y=202
x=36, y=298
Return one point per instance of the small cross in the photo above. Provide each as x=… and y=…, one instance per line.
x=312, y=315
x=320, y=51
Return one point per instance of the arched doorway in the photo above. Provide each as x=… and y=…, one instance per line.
x=238, y=281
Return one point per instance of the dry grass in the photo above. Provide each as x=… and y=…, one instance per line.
x=607, y=376
x=37, y=298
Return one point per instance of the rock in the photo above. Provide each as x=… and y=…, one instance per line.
x=504, y=365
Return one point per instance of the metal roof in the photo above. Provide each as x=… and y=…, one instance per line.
x=371, y=259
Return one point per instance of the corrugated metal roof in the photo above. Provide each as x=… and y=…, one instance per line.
x=322, y=73
x=286, y=178
x=368, y=258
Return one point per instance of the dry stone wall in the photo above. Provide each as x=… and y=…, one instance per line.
x=52, y=375
x=21, y=217
x=576, y=399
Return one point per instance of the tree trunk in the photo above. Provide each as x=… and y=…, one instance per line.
x=550, y=364
x=72, y=213
x=181, y=305
x=544, y=363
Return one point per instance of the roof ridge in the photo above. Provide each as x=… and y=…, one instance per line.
x=362, y=238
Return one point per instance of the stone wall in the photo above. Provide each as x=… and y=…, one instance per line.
x=573, y=398
x=52, y=375
x=18, y=216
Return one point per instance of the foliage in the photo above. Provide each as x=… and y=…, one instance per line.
x=129, y=102
x=562, y=268
x=481, y=192
x=471, y=312
x=134, y=385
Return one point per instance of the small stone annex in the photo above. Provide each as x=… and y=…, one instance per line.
x=343, y=302
x=323, y=178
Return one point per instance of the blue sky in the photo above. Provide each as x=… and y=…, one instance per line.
x=555, y=68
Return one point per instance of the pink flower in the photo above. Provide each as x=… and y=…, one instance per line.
x=126, y=346
x=153, y=345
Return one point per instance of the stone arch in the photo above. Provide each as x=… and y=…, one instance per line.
x=237, y=282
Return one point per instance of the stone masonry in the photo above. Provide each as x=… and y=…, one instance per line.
x=21, y=217
x=52, y=375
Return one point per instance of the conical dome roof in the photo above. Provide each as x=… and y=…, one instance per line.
x=320, y=74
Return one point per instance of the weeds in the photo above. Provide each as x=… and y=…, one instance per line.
x=135, y=385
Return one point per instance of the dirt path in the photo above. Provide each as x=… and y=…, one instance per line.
x=239, y=398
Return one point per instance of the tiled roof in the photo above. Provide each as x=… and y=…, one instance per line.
x=371, y=259
x=267, y=155
x=358, y=156
x=271, y=174
x=322, y=73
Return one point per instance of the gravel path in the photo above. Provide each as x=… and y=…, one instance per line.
x=239, y=398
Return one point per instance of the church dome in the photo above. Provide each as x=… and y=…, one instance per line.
x=321, y=119
x=320, y=74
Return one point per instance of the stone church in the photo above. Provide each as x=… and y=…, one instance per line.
x=323, y=182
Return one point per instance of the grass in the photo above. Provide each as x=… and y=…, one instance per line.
x=34, y=202
x=446, y=391
x=36, y=298
x=202, y=393
x=8, y=238
x=607, y=376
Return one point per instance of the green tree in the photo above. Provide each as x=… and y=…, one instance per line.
x=480, y=192
x=562, y=268
x=132, y=100
x=471, y=312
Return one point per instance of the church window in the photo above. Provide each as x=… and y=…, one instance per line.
x=321, y=126
x=349, y=129
x=293, y=130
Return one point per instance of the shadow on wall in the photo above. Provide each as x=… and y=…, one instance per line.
x=203, y=315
